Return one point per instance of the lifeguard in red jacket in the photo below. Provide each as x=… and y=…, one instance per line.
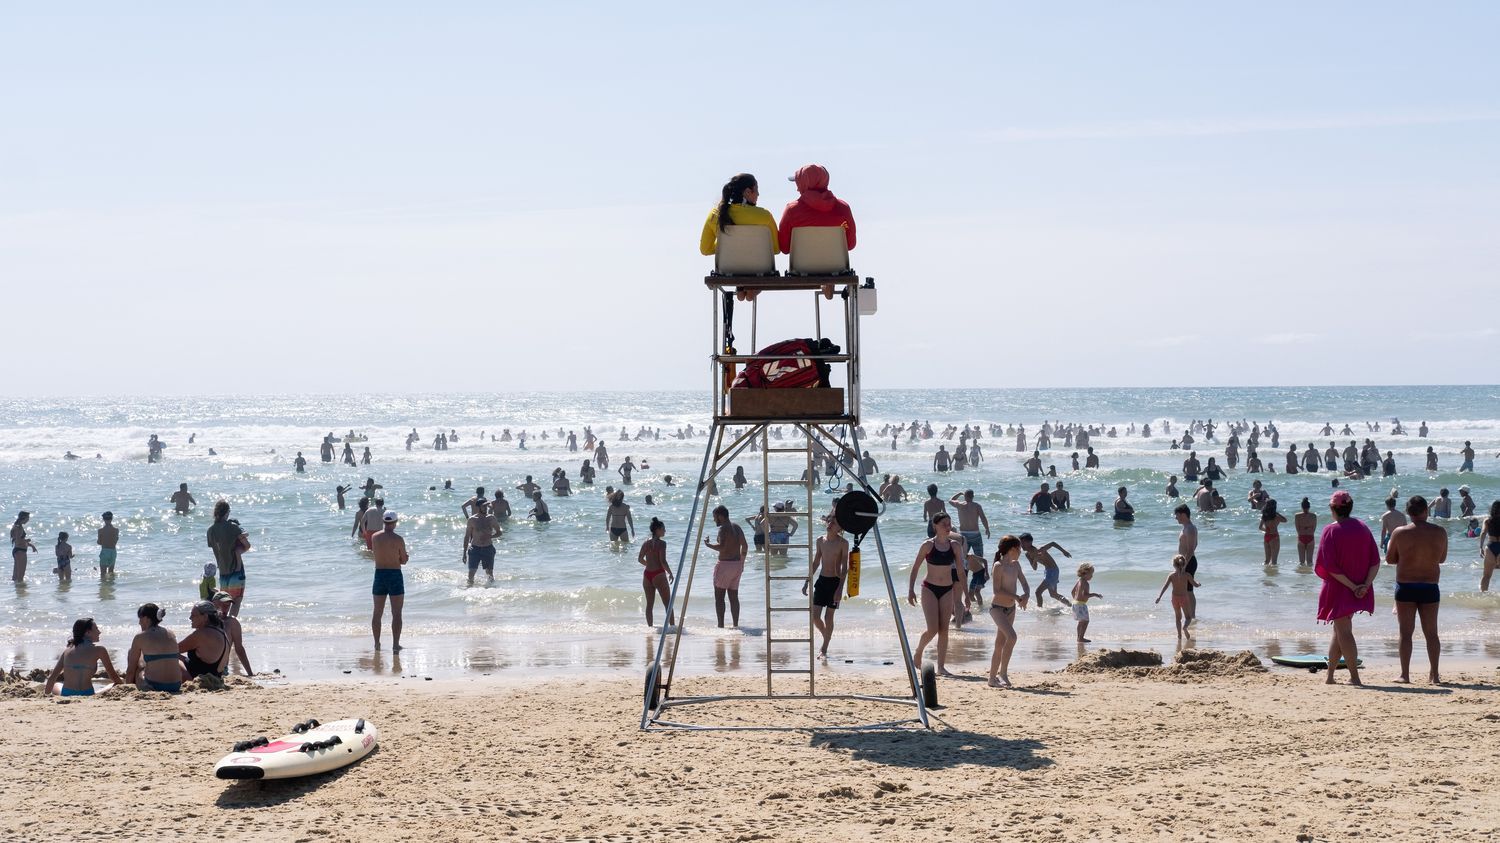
x=814, y=205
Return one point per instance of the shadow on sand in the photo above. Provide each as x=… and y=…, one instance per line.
x=935, y=750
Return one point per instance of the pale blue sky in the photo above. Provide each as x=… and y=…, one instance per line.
x=394, y=197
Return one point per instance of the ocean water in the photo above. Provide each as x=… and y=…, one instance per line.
x=564, y=599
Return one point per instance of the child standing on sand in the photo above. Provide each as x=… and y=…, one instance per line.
x=1081, y=597
x=1179, y=581
x=64, y=569
x=1011, y=593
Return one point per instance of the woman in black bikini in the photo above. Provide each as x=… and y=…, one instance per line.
x=1489, y=537
x=941, y=553
x=206, y=648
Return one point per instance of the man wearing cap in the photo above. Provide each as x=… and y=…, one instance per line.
x=223, y=602
x=390, y=555
x=108, y=539
x=815, y=205
x=1466, y=504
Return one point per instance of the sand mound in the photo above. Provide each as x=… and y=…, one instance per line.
x=1190, y=666
x=131, y=692
x=1216, y=663
x=1110, y=661
x=210, y=684
x=16, y=686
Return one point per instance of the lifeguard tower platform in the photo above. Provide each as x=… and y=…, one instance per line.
x=823, y=422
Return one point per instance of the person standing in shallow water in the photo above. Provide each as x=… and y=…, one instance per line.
x=1306, y=524
x=390, y=555
x=1418, y=551
x=732, y=550
x=1348, y=563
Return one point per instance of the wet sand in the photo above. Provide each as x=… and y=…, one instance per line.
x=1230, y=753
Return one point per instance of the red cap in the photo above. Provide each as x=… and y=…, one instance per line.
x=1341, y=498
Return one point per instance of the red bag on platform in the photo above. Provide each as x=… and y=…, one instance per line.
x=792, y=369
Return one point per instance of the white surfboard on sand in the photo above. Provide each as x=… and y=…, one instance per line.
x=311, y=748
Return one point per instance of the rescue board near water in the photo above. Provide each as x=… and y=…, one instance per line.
x=1312, y=662
x=309, y=749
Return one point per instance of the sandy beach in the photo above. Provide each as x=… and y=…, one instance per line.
x=1230, y=752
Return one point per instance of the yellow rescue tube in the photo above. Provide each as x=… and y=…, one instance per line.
x=852, y=585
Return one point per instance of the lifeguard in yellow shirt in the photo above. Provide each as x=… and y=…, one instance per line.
x=737, y=207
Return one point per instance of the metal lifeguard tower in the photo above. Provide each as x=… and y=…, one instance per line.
x=817, y=418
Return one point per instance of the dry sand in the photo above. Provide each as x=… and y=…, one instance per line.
x=1222, y=751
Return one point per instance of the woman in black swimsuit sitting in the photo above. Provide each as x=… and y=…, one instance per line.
x=942, y=553
x=206, y=648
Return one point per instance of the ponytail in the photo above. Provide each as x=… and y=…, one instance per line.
x=733, y=194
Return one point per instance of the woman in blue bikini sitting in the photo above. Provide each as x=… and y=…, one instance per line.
x=153, y=664
x=79, y=660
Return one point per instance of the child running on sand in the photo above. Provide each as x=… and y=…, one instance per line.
x=1081, y=597
x=1051, y=576
x=1179, y=581
x=1011, y=592
x=656, y=575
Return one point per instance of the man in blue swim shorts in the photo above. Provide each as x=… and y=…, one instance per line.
x=390, y=555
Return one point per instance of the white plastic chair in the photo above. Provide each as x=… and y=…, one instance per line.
x=819, y=250
x=745, y=250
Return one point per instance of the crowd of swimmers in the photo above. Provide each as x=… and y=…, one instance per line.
x=957, y=570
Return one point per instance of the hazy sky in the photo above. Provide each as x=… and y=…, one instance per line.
x=295, y=197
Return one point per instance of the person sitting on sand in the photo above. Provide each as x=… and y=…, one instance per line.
x=76, y=666
x=1011, y=592
x=232, y=628
x=152, y=663
x=206, y=649
x=1179, y=581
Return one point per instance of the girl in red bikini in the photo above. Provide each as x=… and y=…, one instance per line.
x=654, y=575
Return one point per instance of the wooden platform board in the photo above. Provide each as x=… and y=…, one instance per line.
x=786, y=403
